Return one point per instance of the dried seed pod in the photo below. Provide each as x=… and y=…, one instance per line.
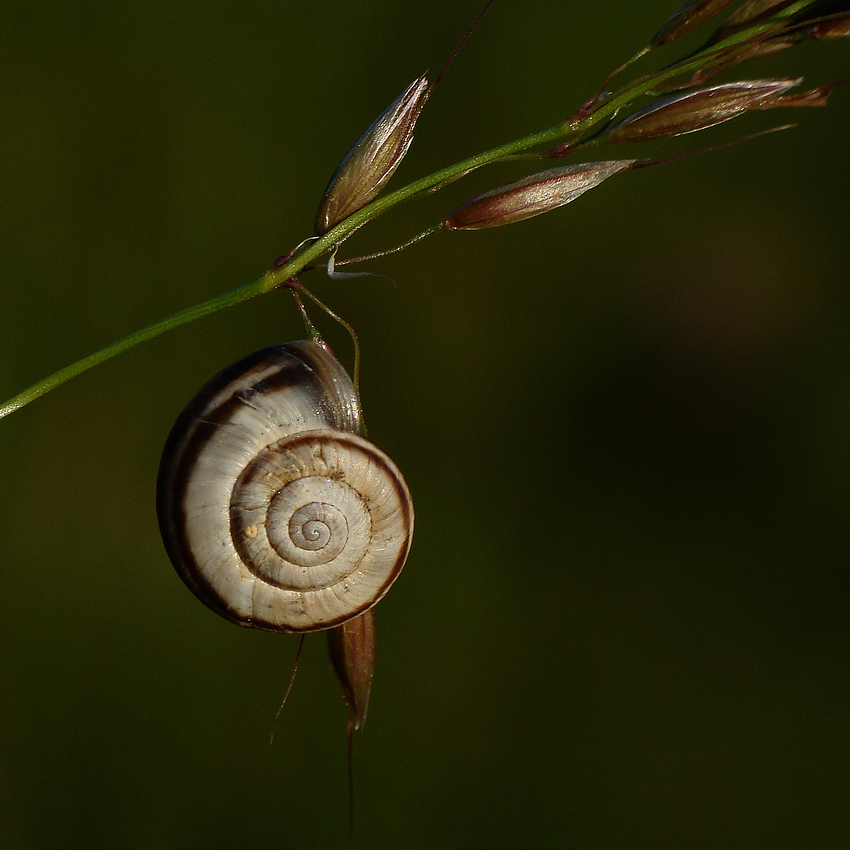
x=368, y=166
x=837, y=27
x=534, y=195
x=689, y=15
x=755, y=49
x=687, y=113
x=751, y=10
x=352, y=651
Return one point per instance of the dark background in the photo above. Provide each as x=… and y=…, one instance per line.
x=626, y=426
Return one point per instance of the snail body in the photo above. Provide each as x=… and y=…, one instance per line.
x=273, y=508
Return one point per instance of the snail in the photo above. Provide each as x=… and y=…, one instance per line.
x=274, y=509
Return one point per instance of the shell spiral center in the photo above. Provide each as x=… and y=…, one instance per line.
x=298, y=518
x=308, y=520
x=315, y=525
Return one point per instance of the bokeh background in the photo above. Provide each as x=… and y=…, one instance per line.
x=626, y=425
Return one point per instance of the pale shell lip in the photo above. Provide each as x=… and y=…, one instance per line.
x=295, y=398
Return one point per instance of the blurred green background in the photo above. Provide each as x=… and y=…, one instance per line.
x=626, y=426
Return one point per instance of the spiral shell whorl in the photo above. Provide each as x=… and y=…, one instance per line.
x=274, y=510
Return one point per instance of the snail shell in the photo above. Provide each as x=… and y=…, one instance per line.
x=274, y=510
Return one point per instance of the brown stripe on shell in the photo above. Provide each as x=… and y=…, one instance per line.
x=298, y=363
